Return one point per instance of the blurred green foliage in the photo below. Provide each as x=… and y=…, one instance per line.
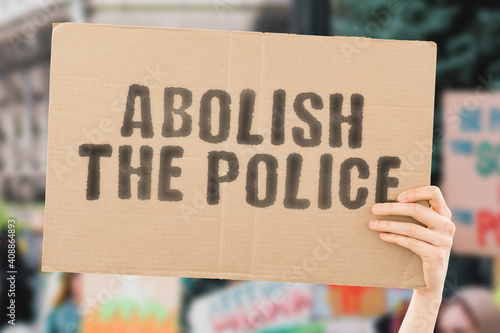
x=4, y=216
x=467, y=34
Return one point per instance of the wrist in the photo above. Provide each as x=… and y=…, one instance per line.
x=422, y=312
x=428, y=294
x=429, y=301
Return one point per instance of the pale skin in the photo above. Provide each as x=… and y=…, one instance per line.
x=432, y=242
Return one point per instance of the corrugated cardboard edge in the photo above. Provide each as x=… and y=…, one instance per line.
x=56, y=26
x=44, y=267
x=412, y=283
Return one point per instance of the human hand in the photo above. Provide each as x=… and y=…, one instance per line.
x=432, y=243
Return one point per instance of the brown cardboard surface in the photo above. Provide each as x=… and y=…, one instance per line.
x=92, y=72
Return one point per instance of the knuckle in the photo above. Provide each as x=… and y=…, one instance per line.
x=394, y=238
x=388, y=208
x=446, y=242
x=435, y=191
x=451, y=243
x=413, y=243
x=439, y=254
x=450, y=228
x=414, y=209
x=412, y=229
x=409, y=195
x=389, y=237
x=382, y=225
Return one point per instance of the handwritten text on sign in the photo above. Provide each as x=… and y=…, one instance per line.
x=310, y=135
x=472, y=170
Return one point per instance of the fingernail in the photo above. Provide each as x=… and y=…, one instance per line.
x=373, y=223
x=383, y=235
x=402, y=197
x=376, y=208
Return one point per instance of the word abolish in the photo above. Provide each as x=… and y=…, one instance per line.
x=309, y=136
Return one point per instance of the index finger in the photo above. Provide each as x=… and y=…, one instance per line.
x=432, y=194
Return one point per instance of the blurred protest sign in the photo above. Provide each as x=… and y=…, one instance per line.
x=251, y=306
x=130, y=303
x=343, y=325
x=471, y=158
x=351, y=300
x=336, y=301
x=243, y=156
x=268, y=307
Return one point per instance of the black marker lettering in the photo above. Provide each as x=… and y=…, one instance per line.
x=214, y=179
x=325, y=182
x=168, y=130
x=94, y=152
x=271, y=180
x=167, y=171
x=126, y=170
x=307, y=117
x=345, y=182
x=206, y=116
x=247, y=108
x=384, y=165
x=146, y=124
x=355, y=120
x=293, y=171
x=278, y=118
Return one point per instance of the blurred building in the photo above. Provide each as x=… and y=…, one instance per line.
x=25, y=33
x=271, y=15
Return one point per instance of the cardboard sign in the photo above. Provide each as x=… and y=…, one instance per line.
x=471, y=151
x=233, y=155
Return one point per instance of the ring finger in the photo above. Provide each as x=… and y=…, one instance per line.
x=408, y=229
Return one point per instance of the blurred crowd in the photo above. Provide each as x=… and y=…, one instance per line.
x=468, y=39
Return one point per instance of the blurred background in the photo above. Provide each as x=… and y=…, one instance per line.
x=466, y=164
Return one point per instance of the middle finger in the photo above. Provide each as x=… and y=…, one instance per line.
x=420, y=213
